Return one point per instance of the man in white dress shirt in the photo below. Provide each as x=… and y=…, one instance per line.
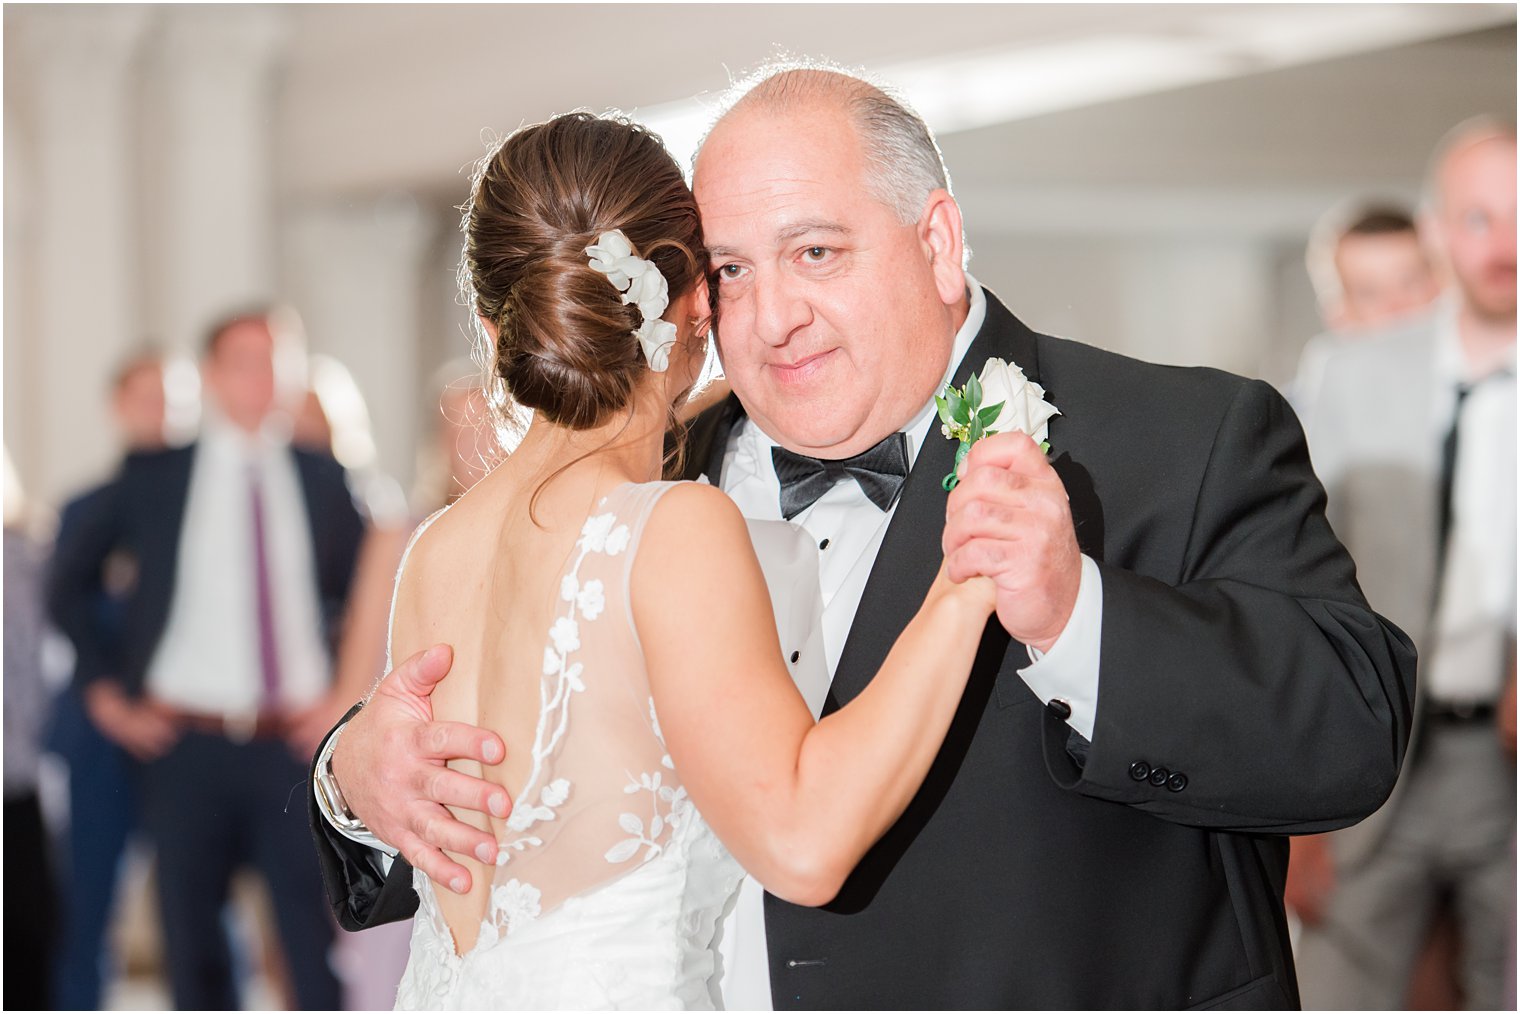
x=244, y=550
x=1413, y=434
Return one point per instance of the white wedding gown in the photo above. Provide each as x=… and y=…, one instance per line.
x=614, y=887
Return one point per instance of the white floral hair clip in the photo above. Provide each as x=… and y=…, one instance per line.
x=642, y=285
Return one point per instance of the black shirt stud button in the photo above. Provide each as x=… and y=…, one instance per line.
x=795, y=656
x=1139, y=771
x=824, y=544
x=1059, y=708
x=1159, y=776
x=1177, y=782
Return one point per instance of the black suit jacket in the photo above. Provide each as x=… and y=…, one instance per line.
x=141, y=512
x=1246, y=692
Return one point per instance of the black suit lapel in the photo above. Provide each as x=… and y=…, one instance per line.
x=707, y=440
x=910, y=551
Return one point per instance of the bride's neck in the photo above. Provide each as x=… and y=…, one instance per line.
x=630, y=444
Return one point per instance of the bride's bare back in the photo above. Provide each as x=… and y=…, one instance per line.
x=537, y=612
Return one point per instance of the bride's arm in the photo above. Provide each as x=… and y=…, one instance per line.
x=797, y=803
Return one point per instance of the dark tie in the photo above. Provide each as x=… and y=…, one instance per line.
x=269, y=649
x=880, y=472
x=1448, y=480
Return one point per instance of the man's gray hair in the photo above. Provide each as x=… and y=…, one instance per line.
x=904, y=161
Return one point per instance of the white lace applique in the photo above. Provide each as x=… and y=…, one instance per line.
x=515, y=902
x=675, y=806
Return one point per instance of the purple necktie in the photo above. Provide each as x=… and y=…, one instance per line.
x=269, y=648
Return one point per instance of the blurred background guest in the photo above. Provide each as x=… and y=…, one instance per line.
x=101, y=792
x=30, y=902
x=244, y=549
x=1369, y=267
x=1413, y=434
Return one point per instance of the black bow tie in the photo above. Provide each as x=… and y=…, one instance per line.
x=880, y=472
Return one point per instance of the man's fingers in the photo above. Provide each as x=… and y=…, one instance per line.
x=455, y=788
x=420, y=673
x=1016, y=451
x=443, y=870
x=450, y=740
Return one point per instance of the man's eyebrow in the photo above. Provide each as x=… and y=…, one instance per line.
x=786, y=234
x=803, y=228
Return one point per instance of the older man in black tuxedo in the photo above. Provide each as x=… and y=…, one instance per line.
x=1184, y=670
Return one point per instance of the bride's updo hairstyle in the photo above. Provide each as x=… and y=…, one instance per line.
x=565, y=339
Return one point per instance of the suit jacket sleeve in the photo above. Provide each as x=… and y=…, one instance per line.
x=1262, y=678
x=90, y=528
x=360, y=892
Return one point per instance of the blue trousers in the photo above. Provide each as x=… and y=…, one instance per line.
x=211, y=806
x=103, y=812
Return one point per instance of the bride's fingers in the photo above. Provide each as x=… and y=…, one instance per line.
x=438, y=784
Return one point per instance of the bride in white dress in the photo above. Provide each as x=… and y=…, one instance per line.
x=617, y=631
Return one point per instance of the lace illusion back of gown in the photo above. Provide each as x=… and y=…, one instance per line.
x=610, y=887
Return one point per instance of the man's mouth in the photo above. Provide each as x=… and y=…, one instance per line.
x=801, y=369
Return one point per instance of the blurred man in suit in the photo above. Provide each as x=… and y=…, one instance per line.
x=1413, y=434
x=244, y=550
x=101, y=790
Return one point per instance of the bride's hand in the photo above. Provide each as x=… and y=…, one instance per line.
x=390, y=764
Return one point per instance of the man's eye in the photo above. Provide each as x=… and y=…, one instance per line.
x=728, y=271
x=816, y=253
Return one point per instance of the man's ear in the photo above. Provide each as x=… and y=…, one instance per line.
x=939, y=233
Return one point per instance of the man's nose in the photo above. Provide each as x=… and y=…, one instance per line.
x=779, y=309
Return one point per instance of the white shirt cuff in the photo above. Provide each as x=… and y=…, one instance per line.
x=1069, y=670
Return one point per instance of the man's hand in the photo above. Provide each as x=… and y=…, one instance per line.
x=1009, y=520
x=136, y=726
x=1311, y=877
x=390, y=763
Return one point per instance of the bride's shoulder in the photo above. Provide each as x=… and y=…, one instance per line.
x=691, y=519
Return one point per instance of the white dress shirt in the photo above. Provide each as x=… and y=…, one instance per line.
x=847, y=529
x=208, y=658
x=1465, y=661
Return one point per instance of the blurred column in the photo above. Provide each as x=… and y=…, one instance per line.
x=70, y=264
x=355, y=273
x=208, y=160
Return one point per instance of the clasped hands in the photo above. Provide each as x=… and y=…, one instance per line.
x=1008, y=519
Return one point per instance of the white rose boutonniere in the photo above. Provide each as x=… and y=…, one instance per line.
x=997, y=400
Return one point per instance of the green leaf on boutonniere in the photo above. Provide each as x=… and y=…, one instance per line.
x=988, y=416
x=1044, y=446
x=944, y=410
x=974, y=392
x=958, y=410
x=976, y=432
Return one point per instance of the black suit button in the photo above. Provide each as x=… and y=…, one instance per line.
x=1177, y=782
x=1139, y=771
x=1159, y=776
x=1059, y=708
